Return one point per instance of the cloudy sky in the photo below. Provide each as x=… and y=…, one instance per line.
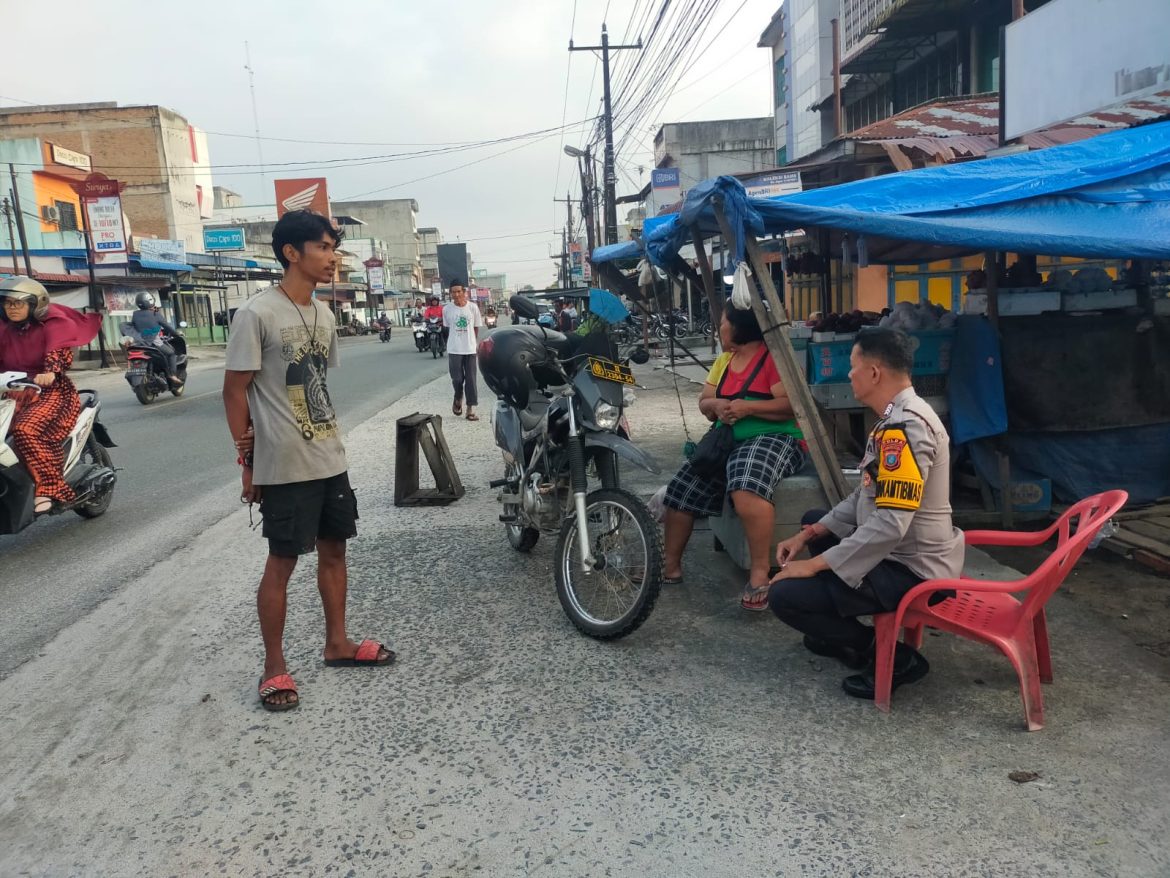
x=377, y=83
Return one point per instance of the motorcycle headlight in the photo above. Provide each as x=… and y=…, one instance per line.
x=606, y=416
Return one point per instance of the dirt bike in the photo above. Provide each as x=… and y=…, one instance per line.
x=558, y=418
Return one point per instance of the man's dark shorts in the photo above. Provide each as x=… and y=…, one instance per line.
x=297, y=514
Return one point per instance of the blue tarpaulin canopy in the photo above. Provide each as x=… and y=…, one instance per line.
x=1106, y=197
x=615, y=252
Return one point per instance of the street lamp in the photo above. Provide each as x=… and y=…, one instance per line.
x=573, y=152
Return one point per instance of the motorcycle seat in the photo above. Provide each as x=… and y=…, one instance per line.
x=531, y=417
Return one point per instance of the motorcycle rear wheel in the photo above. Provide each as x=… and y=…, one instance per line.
x=96, y=454
x=616, y=597
x=145, y=392
x=520, y=538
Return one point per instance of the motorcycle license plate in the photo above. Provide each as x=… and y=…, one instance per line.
x=138, y=368
x=608, y=371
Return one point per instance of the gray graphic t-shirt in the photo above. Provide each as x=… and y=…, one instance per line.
x=297, y=437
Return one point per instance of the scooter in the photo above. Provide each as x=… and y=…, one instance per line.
x=435, y=337
x=421, y=342
x=88, y=468
x=146, y=364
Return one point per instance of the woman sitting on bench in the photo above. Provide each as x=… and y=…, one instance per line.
x=744, y=391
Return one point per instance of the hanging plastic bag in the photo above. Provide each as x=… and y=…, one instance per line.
x=741, y=289
x=645, y=274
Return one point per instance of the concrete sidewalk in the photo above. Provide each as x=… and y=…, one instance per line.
x=505, y=743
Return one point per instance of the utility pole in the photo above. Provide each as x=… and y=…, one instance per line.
x=610, y=174
x=11, y=233
x=566, y=240
x=20, y=223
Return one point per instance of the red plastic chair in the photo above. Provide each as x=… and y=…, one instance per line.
x=988, y=611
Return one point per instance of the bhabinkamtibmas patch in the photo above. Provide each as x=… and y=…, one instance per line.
x=899, y=480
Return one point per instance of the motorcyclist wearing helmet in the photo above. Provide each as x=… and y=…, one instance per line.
x=150, y=326
x=38, y=338
x=433, y=309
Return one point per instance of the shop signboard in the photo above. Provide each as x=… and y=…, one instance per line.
x=162, y=250
x=576, y=261
x=223, y=240
x=774, y=184
x=375, y=275
x=70, y=158
x=103, y=219
x=1087, y=55
x=309, y=193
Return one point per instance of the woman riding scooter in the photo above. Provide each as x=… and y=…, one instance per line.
x=38, y=338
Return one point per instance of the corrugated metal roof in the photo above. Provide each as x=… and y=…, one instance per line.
x=969, y=126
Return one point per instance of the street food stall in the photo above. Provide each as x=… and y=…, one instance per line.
x=1061, y=381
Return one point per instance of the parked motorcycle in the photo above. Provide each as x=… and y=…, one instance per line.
x=435, y=337
x=558, y=420
x=146, y=364
x=88, y=468
x=421, y=340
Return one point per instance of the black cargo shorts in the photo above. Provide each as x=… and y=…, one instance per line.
x=297, y=514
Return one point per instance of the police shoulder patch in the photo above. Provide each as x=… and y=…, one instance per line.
x=899, y=480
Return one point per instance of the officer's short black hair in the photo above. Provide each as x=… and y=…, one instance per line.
x=297, y=227
x=893, y=348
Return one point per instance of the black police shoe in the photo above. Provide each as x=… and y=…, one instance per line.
x=862, y=685
x=850, y=656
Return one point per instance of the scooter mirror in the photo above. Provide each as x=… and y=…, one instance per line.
x=640, y=356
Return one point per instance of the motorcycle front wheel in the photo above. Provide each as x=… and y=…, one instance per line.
x=616, y=597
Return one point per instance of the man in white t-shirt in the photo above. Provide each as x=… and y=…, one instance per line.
x=462, y=319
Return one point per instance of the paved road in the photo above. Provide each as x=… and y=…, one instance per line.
x=178, y=478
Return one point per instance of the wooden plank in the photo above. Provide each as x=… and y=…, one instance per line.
x=435, y=461
x=1139, y=542
x=1144, y=512
x=1154, y=562
x=774, y=322
x=452, y=471
x=1149, y=529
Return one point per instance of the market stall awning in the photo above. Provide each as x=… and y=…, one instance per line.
x=1106, y=197
x=616, y=252
x=159, y=265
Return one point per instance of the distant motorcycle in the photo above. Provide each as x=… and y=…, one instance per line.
x=490, y=321
x=421, y=340
x=435, y=337
x=146, y=364
x=384, y=332
x=88, y=468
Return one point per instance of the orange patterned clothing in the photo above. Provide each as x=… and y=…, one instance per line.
x=43, y=423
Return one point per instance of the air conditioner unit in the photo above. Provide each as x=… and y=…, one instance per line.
x=50, y=213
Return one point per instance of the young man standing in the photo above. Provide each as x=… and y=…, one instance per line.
x=462, y=319
x=282, y=420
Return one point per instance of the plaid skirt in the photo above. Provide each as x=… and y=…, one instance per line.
x=755, y=465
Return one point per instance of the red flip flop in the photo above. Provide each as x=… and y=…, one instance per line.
x=275, y=686
x=366, y=657
x=755, y=599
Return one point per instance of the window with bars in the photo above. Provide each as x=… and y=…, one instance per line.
x=68, y=216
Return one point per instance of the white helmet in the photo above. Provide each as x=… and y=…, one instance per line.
x=28, y=290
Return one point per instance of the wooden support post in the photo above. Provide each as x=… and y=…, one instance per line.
x=774, y=322
x=714, y=300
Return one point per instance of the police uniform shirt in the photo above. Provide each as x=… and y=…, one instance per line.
x=901, y=511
